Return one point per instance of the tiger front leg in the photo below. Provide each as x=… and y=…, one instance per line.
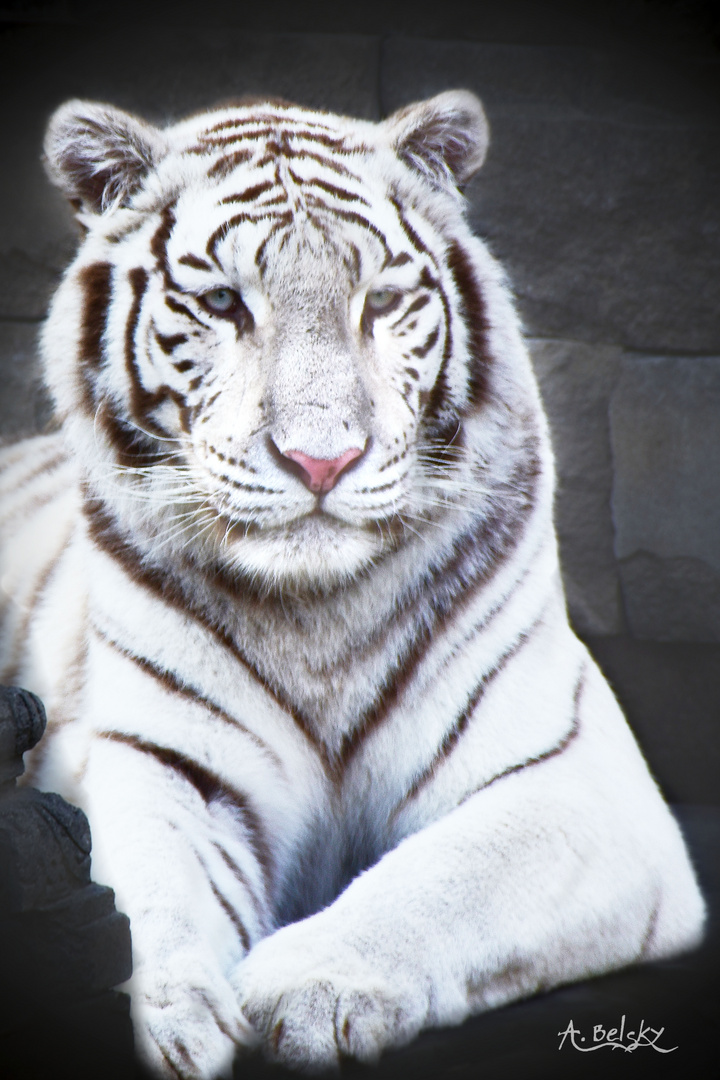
x=544, y=878
x=184, y=872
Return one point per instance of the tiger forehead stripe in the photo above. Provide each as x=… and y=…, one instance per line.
x=227, y=163
x=283, y=220
x=195, y=261
x=411, y=234
x=332, y=189
x=273, y=151
x=267, y=118
x=237, y=219
x=337, y=144
x=250, y=193
x=359, y=219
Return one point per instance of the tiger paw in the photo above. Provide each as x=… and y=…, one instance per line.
x=315, y=1001
x=189, y=1026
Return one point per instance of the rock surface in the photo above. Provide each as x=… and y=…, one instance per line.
x=665, y=431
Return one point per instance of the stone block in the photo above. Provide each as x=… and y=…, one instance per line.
x=600, y=188
x=163, y=72
x=666, y=495
x=670, y=693
x=576, y=382
x=24, y=403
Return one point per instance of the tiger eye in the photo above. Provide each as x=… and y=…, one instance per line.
x=222, y=301
x=381, y=300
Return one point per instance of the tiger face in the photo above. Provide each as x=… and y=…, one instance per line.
x=279, y=350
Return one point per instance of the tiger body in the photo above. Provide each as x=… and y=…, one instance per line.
x=287, y=581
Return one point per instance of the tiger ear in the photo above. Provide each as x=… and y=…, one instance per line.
x=445, y=138
x=98, y=154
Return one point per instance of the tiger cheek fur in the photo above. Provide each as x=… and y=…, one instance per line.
x=287, y=580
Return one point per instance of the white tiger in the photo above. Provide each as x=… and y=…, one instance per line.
x=287, y=580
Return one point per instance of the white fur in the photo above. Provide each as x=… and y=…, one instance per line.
x=494, y=831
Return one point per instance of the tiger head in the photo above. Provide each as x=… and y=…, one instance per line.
x=279, y=349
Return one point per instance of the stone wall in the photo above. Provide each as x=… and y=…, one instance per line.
x=600, y=195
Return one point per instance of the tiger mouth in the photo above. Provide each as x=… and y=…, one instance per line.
x=232, y=529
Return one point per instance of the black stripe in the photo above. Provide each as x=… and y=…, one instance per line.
x=141, y=400
x=332, y=189
x=169, y=342
x=281, y=139
x=569, y=737
x=359, y=219
x=181, y=309
x=474, y=314
x=476, y=558
x=421, y=351
x=225, y=904
x=195, y=261
x=209, y=786
x=249, y=194
x=338, y=144
x=283, y=221
x=267, y=118
x=104, y=532
x=260, y=909
x=216, y=142
x=354, y=267
x=440, y=414
x=222, y=230
x=228, y=163
x=158, y=244
x=96, y=285
x=231, y=914
x=132, y=447
x=274, y=151
x=11, y=671
x=258, y=488
x=170, y=681
x=454, y=733
x=95, y=282
x=416, y=305
x=407, y=228
x=369, y=315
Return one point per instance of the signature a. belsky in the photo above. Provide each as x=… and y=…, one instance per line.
x=619, y=1038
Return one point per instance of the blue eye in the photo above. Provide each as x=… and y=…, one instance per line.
x=222, y=301
x=381, y=300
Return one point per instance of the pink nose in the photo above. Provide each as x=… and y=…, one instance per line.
x=321, y=474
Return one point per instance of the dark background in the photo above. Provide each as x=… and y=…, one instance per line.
x=601, y=195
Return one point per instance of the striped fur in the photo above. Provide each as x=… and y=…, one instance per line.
x=287, y=580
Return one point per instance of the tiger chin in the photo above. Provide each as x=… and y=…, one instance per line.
x=286, y=577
